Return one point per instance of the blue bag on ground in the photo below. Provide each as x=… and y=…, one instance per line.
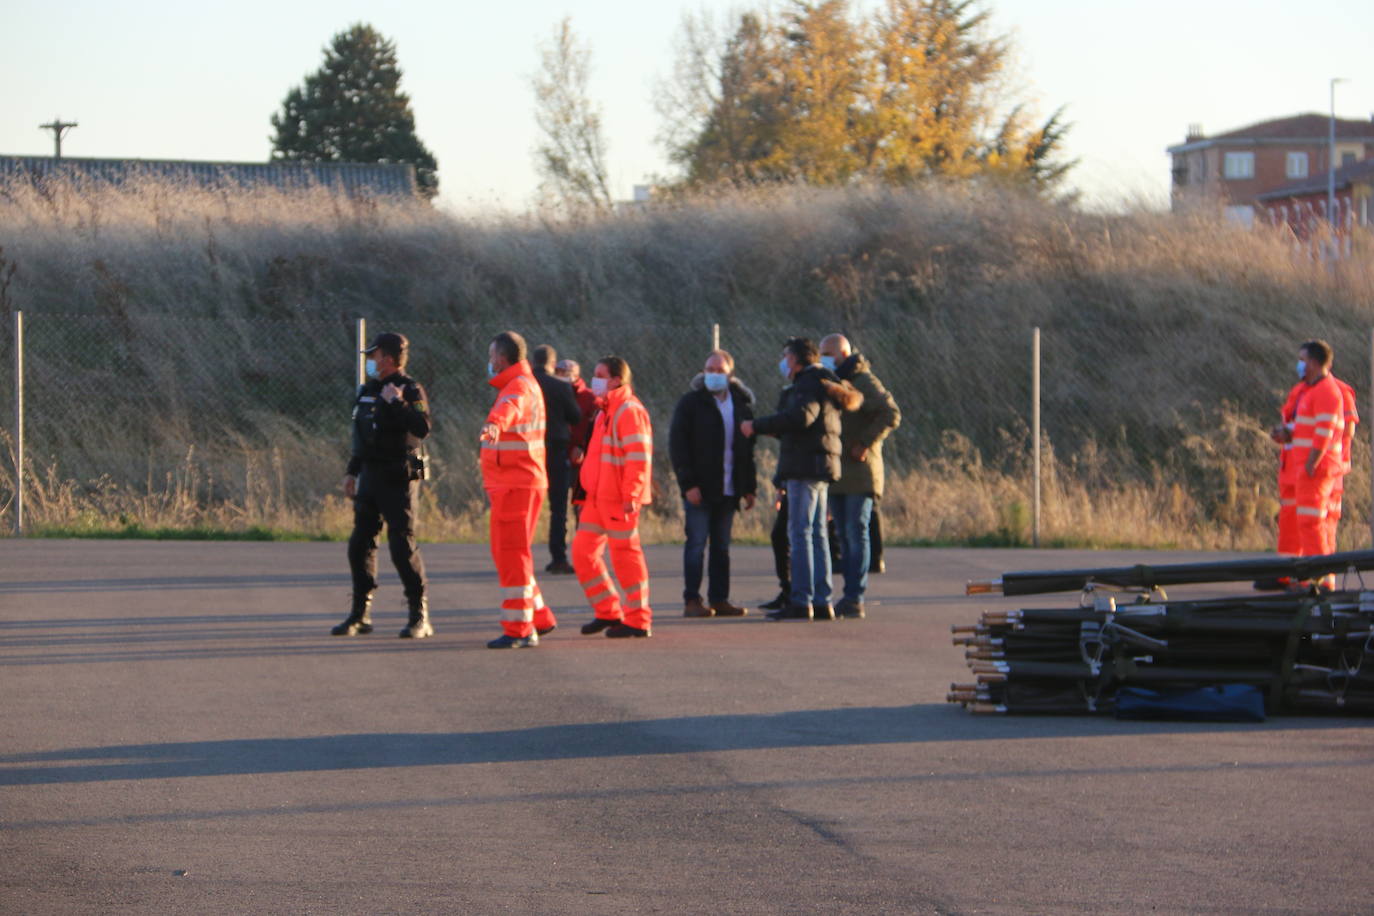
x=1221, y=703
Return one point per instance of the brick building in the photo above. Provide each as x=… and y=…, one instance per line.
x=1232, y=170
x=1301, y=205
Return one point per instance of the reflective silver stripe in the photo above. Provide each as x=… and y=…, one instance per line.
x=1324, y=433
x=631, y=440
x=1288, y=502
x=640, y=589
x=1326, y=417
x=1300, y=420
x=524, y=614
x=605, y=588
x=1302, y=443
x=623, y=535
x=1308, y=510
x=538, y=426
x=518, y=591
x=590, y=528
x=595, y=580
x=515, y=446
x=539, y=602
x=640, y=457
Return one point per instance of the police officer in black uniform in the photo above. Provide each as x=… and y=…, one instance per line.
x=390, y=419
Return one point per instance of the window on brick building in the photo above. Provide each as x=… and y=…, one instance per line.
x=1296, y=166
x=1239, y=165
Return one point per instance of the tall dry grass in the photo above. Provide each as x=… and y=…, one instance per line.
x=190, y=351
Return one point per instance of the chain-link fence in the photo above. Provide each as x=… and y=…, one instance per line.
x=158, y=420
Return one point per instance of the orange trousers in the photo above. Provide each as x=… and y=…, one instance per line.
x=514, y=512
x=1333, y=510
x=1288, y=546
x=1313, y=495
x=600, y=525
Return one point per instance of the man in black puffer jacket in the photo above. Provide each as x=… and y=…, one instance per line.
x=715, y=471
x=808, y=425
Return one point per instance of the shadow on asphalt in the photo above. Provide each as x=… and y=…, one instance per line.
x=818, y=728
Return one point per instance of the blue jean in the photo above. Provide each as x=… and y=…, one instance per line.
x=707, y=522
x=810, y=546
x=852, y=512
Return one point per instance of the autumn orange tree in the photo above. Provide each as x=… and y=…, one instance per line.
x=920, y=88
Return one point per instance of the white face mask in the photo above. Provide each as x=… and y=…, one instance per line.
x=716, y=381
x=785, y=369
x=828, y=362
x=1302, y=368
x=600, y=386
x=371, y=368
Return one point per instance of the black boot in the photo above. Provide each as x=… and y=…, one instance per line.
x=359, y=619
x=418, y=626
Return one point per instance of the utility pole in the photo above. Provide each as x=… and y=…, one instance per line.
x=1331, y=158
x=59, y=129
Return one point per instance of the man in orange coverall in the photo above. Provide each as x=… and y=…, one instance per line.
x=514, y=475
x=1314, y=441
x=1290, y=470
x=616, y=476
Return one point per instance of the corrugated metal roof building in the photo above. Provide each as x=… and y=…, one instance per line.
x=353, y=178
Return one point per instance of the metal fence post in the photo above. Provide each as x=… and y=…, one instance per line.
x=715, y=336
x=19, y=422
x=1035, y=437
x=360, y=358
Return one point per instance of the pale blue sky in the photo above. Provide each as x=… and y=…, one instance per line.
x=199, y=80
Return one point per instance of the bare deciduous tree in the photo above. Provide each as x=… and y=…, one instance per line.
x=572, y=156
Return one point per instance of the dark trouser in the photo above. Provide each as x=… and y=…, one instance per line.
x=385, y=496
x=560, y=479
x=875, y=539
x=713, y=522
x=782, y=551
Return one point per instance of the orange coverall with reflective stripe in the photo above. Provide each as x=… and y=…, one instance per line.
x=1318, y=427
x=515, y=478
x=616, y=474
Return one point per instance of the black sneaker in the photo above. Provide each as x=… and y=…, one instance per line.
x=625, y=631
x=850, y=610
x=791, y=612
x=559, y=568
x=597, y=625
x=822, y=611
x=776, y=604
x=514, y=642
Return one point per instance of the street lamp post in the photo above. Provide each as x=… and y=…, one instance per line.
x=1331, y=158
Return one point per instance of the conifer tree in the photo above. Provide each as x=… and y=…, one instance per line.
x=353, y=110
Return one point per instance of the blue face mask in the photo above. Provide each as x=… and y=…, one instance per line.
x=491, y=370
x=828, y=362
x=371, y=368
x=1302, y=368
x=716, y=381
x=785, y=369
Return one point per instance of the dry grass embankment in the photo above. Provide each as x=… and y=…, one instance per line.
x=189, y=353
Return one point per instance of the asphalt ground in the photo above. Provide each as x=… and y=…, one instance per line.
x=181, y=734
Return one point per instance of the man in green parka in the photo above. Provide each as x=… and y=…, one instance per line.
x=861, y=466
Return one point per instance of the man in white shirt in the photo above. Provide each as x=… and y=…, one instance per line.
x=714, y=464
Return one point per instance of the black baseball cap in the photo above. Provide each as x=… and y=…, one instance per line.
x=394, y=344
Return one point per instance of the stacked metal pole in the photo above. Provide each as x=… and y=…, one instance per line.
x=1310, y=650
